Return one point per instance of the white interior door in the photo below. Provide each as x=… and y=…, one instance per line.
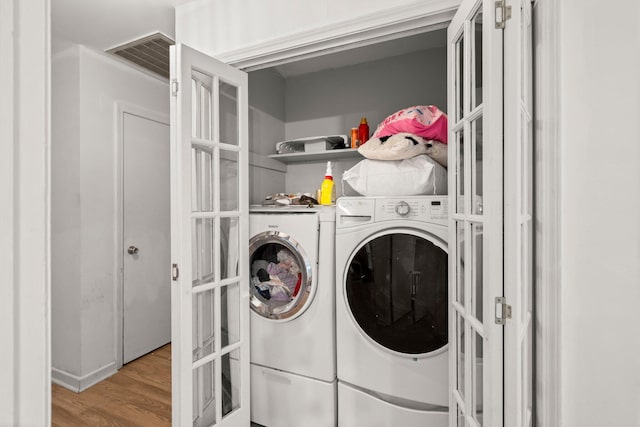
x=209, y=241
x=146, y=236
x=476, y=219
x=518, y=196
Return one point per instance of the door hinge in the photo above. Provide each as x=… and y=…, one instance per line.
x=174, y=87
x=503, y=13
x=175, y=272
x=503, y=311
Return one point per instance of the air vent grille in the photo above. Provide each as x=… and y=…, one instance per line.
x=151, y=53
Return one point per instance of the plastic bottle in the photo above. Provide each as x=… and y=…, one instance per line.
x=354, y=138
x=363, y=131
x=327, y=189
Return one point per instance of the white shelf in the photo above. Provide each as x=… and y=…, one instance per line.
x=344, y=153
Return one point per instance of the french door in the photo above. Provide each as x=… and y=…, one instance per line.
x=490, y=168
x=209, y=241
x=476, y=220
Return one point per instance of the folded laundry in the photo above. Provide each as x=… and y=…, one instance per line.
x=282, y=199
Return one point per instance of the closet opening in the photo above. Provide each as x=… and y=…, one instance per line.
x=328, y=94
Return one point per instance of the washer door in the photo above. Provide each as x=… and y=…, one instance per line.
x=396, y=289
x=281, y=276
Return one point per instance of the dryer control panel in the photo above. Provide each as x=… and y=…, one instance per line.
x=353, y=211
x=431, y=209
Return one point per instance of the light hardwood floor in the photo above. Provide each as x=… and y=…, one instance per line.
x=139, y=394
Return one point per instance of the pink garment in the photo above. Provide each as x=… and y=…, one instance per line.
x=426, y=121
x=282, y=273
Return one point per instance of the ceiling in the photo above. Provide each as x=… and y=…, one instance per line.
x=105, y=24
x=367, y=53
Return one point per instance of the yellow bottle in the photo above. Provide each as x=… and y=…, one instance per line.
x=327, y=190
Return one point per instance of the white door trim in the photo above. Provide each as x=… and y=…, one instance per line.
x=547, y=196
x=25, y=136
x=519, y=218
x=120, y=109
x=361, y=31
x=9, y=189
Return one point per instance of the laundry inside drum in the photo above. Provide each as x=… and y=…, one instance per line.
x=276, y=281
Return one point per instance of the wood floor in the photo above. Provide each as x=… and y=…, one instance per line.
x=139, y=394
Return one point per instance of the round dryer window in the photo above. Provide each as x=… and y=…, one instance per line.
x=281, y=281
x=396, y=288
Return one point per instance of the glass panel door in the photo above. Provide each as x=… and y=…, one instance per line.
x=475, y=266
x=209, y=220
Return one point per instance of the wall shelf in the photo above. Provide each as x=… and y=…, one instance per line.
x=339, y=154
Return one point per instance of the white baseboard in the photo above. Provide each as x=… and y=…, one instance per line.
x=79, y=384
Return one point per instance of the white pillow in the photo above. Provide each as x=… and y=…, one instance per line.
x=409, y=177
x=395, y=147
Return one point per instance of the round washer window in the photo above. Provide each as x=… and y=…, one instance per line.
x=280, y=278
x=396, y=289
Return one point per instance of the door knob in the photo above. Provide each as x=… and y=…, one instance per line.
x=132, y=250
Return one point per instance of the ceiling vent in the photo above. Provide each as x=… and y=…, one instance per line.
x=150, y=52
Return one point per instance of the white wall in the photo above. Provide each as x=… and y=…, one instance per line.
x=84, y=228
x=66, y=258
x=600, y=226
x=205, y=24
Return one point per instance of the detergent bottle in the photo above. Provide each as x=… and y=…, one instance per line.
x=327, y=189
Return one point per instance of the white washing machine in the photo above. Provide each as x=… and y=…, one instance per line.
x=391, y=311
x=293, y=365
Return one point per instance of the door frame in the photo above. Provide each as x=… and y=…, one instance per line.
x=547, y=249
x=363, y=30
x=547, y=170
x=546, y=139
x=122, y=108
x=25, y=220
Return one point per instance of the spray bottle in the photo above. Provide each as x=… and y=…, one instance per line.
x=327, y=189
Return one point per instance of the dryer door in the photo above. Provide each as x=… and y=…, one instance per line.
x=396, y=289
x=281, y=276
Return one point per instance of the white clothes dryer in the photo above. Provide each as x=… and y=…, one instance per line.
x=391, y=311
x=293, y=367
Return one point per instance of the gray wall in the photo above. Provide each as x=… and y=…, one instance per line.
x=333, y=101
x=266, y=110
x=266, y=127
